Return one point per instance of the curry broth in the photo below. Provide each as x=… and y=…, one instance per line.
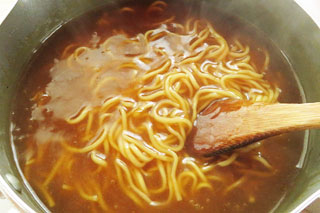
x=261, y=190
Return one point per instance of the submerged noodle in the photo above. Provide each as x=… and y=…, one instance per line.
x=169, y=74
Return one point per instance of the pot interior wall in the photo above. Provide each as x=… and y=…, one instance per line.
x=283, y=21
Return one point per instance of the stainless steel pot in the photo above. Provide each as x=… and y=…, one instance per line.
x=31, y=21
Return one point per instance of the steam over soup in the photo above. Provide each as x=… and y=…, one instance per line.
x=101, y=118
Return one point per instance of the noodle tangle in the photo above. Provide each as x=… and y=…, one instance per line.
x=137, y=132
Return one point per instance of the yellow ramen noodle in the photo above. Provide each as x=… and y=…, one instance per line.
x=140, y=96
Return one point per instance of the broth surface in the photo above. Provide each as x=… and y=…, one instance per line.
x=51, y=92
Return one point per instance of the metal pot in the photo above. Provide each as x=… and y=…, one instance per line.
x=284, y=22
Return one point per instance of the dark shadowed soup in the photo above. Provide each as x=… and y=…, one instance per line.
x=100, y=120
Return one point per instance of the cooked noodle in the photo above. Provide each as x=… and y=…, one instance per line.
x=139, y=132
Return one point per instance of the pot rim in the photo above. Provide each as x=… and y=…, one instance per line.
x=12, y=196
x=307, y=202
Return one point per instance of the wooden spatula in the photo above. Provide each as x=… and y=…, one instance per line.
x=231, y=124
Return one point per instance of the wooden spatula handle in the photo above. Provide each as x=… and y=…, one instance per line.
x=283, y=117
